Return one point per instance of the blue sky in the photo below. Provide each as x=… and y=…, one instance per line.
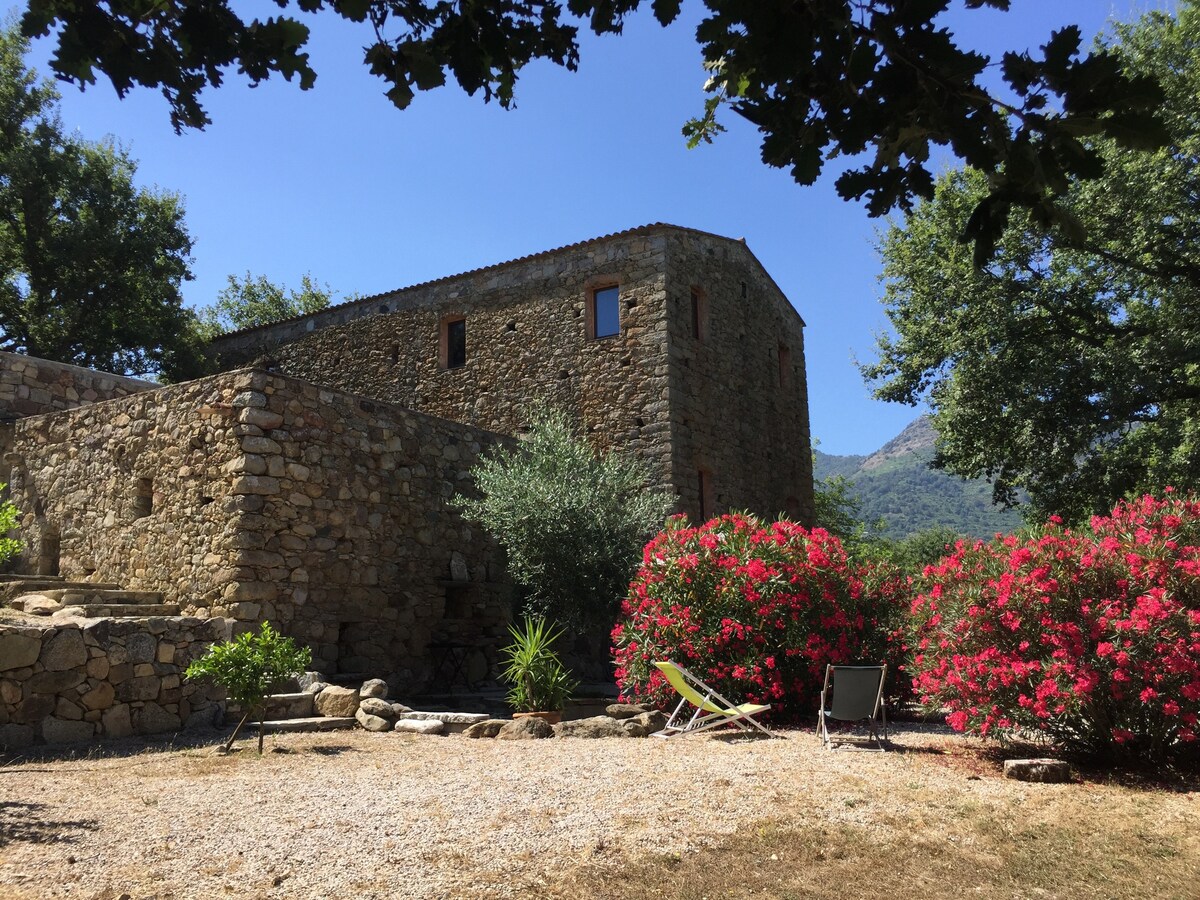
x=336, y=182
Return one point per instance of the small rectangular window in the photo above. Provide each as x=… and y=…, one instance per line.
x=606, y=314
x=695, y=315
x=456, y=344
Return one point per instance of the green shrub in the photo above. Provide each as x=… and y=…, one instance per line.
x=571, y=522
x=540, y=683
x=9, y=518
x=249, y=667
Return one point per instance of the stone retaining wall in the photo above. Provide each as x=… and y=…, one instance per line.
x=30, y=387
x=103, y=678
x=256, y=496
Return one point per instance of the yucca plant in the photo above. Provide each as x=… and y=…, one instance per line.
x=538, y=680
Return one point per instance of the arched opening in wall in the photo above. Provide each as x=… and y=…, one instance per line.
x=354, y=648
x=143, y=498
x=49, y=548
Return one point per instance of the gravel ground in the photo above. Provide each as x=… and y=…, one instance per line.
x=353, y=814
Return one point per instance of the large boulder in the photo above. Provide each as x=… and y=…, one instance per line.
x=373, y=706
x=64, y=651
x=488, y=728
x=337, y=702
x=376, y=688
x=594, y=727
x=644, y=724
x=625, y=710
x=420, y=726
x=1044, y=770
x=370, y=722
x=529, y=728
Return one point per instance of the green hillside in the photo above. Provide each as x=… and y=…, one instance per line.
x=897, y=485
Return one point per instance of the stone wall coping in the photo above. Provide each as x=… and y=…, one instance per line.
x=652, y=228
x=136, y=384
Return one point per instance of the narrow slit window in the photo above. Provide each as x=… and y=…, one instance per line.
x=695, y=315
x=456, y=344
x=785, y=366
x=606, y=314
x=143, y=498
x=704, y=487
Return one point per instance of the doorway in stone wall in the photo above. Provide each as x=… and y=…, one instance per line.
x=49, y=549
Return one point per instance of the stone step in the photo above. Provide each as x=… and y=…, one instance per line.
x=10, y=577
x=118, y=610
x=278, y=706
x=312, y=723
x=91, y=594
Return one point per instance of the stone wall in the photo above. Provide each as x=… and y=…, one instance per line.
x=738, y=393
x=256, y=496
x=651, y=391
x=105, y=678
x=30, y=387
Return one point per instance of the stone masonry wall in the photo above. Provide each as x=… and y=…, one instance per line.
x=77, y=681
x=29, y=387
x=131, y=491
x=257, y=496
x=346, y=535
x=738, y=395
x=527, y=325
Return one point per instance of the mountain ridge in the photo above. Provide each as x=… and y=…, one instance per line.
x=896, y=484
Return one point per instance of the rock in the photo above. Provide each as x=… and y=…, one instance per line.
x=66, y=731
x=99, y=697
x=53, y=682
x=36, y=605
x=644, y=724
x=306, y=679
x=529, y=728
x=153, y=719
x=595, y=727
x=625, y=710
x=458, y=567
x=18, y=650
x=315, y=687
x=337, y=701
x=373, y=706
x=420, y=726
x=65, y=650
x=141, y=647
x=15, y=737
x=446, y=718
x=116, y=721
x=372, y=723
x=399, y=709
x=488, y=728
x=376, y=687
x=1045, y=770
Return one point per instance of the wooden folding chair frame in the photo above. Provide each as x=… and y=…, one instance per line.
x=705, y=699
x=877, y=716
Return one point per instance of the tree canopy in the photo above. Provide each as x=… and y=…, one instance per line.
x=1070, y=365
x=90, y=264
x=255, y=300
x=818, y=78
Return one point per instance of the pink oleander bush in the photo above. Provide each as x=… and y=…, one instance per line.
x=755, y=610
x=1090, y=638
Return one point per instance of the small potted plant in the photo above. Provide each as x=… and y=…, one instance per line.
x=539, y=684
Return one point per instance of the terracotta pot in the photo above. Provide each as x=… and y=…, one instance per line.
x=552, y=718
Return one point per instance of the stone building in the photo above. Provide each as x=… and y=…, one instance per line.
x=310, y=483
x=667, y=343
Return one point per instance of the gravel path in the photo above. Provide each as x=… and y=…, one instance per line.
x=361, y=815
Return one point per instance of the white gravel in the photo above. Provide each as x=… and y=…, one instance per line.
x=353, y=814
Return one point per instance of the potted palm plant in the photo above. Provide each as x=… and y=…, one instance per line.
x=539, y=684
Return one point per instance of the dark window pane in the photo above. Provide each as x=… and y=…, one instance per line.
x=608, y=320
x=456, y=344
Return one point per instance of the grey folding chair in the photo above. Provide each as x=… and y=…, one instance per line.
x=854, y=694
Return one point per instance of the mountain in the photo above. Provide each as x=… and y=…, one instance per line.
x=896, y=484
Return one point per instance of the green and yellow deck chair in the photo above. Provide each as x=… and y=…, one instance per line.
x=711, y=709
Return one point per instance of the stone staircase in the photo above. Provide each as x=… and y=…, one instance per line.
x=91, y=599
x=290, y=712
